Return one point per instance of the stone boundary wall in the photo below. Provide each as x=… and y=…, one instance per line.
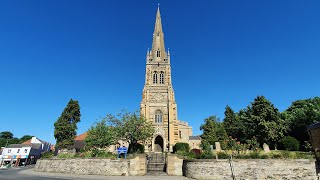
x=174, y=165
x=252, y=169
x=107, y=167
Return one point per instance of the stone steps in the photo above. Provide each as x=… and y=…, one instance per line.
x=156, y=164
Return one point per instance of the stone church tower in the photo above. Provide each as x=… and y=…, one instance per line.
x=158, y=103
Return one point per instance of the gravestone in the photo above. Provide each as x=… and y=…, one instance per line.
x=218, y=147
x=266, y=148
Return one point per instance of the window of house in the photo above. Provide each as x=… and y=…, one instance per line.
x=9, y=151
x=155, y=77
x=158, y=117
x=162, y=77
x=180, y=134
x=158, y=53
x=25, y=150
x=18, y=150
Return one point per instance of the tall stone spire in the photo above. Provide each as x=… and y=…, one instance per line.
x=158, y=102
x=158, y=52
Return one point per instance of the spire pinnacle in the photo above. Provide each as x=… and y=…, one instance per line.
x=158, y=49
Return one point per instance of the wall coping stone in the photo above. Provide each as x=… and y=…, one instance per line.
x=236, y=160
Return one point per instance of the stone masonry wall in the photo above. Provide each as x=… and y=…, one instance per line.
x=107, y=167
x=138, y=166
x=251, y=169
x=174, y=165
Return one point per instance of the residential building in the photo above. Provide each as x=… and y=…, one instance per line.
x=26, y=153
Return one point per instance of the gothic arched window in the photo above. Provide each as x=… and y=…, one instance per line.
x=155, y=77
x=158, y=117
x=161, y=77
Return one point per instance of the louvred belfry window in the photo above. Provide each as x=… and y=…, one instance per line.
x=162, y=77
x=155, y=77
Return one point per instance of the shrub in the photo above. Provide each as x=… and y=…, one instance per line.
x=79, y=155
x=191, y=155
x=304, y=155
x=275, y=156
x=285, y=154
x=254, y=155
x=196, y=151
x=66, y=155
x=223, y=155
x=263, y=156
x=253, y=144
x=139, y=148
x=47, y=155
x=206, y=155
x=104, y=154
x=289, y=143
x=181, y=147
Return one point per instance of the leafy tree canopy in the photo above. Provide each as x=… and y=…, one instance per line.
x=25, y=138
x=132, y=127
x=6, y=135
x=260, y=119
x=301, y=114
x=270, y=126
x=213, y=130
x=100, y=135
x=66, y=125
x=231, y=122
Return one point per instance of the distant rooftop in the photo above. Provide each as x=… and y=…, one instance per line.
x=314, y=126
x=194, y=138
x=81, y=137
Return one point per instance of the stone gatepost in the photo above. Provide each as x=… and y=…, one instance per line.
x=174, y=165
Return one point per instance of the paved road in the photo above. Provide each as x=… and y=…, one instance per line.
x=27, y=173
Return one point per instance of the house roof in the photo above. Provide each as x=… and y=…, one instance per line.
x=194, y=138
x=30, y=140
x=79, y=144
x=18, y=145
x=27, y=142
x=313, y=126
x=81, y=137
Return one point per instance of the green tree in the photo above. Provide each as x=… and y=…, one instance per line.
x=25, y=138
x=213, y=130
x=6, y=135
x=231, y=124
x=100, y=136
x=301, y=114
x=66, y=126
x=245, y=124
x=3, y=142
x=14, y=141
x=264, y=121
x=135, y=129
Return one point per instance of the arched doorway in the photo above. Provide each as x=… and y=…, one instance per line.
x=158, y=144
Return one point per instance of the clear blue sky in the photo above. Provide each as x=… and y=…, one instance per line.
x=222, y=53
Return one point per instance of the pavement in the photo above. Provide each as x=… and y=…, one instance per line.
x=27, y=173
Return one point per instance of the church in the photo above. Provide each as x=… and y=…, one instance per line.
x=158, y=103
